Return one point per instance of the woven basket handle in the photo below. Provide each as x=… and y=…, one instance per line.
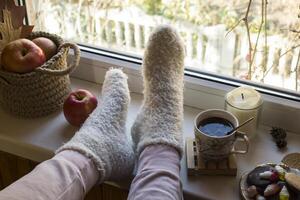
x=70, y=67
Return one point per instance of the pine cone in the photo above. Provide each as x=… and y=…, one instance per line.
x=278, y=133
x=281, y=144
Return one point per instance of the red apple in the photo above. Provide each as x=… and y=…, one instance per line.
x=78, y=106
x=47, y=45
x=22, y=56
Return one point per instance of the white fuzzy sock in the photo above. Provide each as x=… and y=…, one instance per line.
x=161, y=115
x=102, y=137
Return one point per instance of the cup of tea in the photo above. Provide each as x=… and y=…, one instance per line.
x=214, y=135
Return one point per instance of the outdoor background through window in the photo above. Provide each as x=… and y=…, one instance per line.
x=215, y=32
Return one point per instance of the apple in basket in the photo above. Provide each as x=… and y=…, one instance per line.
x=22, y=56
x=47, y=45
x=78, y=106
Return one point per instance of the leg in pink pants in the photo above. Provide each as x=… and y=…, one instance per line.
x=70, y=175
x=157, y=175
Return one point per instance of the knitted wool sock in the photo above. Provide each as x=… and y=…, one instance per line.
x=102, y=137
x=160, y=118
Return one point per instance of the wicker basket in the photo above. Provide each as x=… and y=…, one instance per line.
x=43, y=90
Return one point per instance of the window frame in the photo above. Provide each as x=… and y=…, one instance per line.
x=205, y=85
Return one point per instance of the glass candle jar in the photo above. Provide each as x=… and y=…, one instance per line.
x=244, y=103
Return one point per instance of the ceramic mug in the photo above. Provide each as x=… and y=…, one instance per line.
x=213, y=147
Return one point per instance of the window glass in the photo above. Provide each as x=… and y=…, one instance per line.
x=215, y=33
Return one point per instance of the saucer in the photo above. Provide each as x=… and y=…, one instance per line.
x=289, y=161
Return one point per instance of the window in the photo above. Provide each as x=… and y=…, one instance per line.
x=215, y=35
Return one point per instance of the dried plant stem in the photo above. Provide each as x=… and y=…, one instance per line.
x=245, y=19
x=296, y=71
x=294, y=31
x=289, y=50
x=257, y=38
x=280, y=56
x=252, y=52
x=266, y=52
x=232, y=28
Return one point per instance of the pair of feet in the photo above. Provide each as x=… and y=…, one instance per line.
x=102, y=137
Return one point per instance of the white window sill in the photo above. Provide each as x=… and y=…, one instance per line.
x=37, y=139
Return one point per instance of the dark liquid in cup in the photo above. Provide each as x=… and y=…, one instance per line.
x=215, y=126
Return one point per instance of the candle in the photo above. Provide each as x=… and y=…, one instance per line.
x=244, y=103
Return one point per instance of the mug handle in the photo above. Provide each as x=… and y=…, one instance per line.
x=242, y=137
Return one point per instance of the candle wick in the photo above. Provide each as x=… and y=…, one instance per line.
x=243, y=96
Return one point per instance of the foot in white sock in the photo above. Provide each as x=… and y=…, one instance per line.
x=102, y=137
x=160, y=118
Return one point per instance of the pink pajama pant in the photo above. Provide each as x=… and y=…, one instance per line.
x=70, y=175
